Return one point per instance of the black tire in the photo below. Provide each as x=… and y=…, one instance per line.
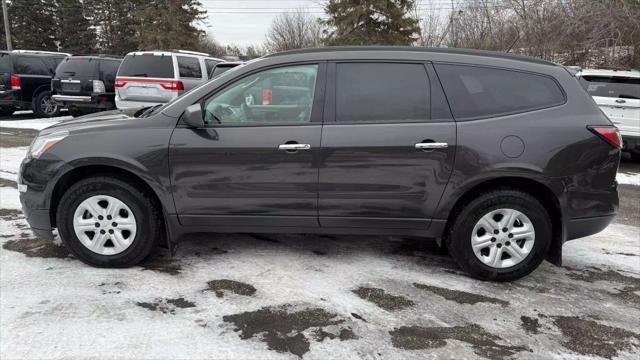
x=39, y=107
x=146, y=213
x=460, y=232
x=7, y=110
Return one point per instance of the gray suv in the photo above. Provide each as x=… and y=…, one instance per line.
x=500, y=158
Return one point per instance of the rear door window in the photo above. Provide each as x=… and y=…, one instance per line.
x=388, y=92
x=609, y=86
x=189, y=67
x=154, y=66
x=30, y=65
x=76, y=67
x=480, y=92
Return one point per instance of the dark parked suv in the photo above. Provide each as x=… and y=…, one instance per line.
x=500, y=158
x=25, y=81
x=85, y=84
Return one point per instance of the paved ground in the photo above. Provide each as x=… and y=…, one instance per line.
x=317, y=297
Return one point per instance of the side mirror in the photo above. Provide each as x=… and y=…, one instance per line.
x=192, y=116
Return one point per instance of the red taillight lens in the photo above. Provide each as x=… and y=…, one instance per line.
x=173, y=85
x=120, y=83
x=609, y=133
x=15, y=82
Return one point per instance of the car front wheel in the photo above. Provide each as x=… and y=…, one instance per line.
x=501, y=235
x=108, y=222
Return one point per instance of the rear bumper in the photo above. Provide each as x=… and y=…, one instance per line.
x=579, y=228
x=101, y=101
x=71, y=98
x=10, y=97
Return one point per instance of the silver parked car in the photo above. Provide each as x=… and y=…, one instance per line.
x=147, y=78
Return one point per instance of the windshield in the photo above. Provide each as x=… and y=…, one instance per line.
x=76, y=66
x=609, y=86
x=156, y=66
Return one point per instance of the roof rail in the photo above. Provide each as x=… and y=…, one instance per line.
x=100, y=55
x=40, y=52
x=191, y=52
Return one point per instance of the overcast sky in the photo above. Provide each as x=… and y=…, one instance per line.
x=245, y=22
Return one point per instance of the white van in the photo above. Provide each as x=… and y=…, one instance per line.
x=148, y=78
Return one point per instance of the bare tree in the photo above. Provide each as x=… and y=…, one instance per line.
x=293, y=30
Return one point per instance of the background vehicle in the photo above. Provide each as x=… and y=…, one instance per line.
x=618, y=95
x=85, y=83
x=500, y=158
x=148, y=78
x=222, y=67
x=25, y=81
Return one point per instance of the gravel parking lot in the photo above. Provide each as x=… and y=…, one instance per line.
x=290, y=296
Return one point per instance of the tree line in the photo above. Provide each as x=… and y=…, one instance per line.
x=603, y=33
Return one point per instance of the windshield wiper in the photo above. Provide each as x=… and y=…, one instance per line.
x=149, y=111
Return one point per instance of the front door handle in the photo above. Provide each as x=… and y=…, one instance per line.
x=294, y=147
x=620, y=101
x=431, y=145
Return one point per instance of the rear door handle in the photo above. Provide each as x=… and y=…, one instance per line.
x=431, y=145
x=294, y=147
x=620, y=101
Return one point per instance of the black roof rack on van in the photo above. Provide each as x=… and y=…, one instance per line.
x=456, y=51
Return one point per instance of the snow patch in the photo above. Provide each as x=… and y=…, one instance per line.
x=628, y=178
x=37, y=124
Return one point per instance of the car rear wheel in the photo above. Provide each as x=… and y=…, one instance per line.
x=7, y=110
x=501, y=235
x=107, y=222
x=45, y=106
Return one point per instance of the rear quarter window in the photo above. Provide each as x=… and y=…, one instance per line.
x=156, y=66
x=189, y=67
x=480, y=92
x=30, y=65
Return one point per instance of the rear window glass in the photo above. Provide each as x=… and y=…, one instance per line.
x=189, y=67
x=108, y=69
x=221, y=69
x=616, y=87
x=147, y=66
x=5, y=63
x=478, y=92
x=210, y=65
x=76, y=67
x=30, y=65
x=382, y=92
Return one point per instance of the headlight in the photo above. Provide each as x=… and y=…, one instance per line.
x=43, y=143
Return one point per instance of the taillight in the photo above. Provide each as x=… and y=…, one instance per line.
x=119, y=83
x=610, y=134
x=15, y=82
x=173, y=85
x=98, y=87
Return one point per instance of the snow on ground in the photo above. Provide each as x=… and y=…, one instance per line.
x=628, y=178
x=317, y=297
x=37, y=124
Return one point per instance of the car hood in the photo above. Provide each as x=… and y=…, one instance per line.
x=97, y=120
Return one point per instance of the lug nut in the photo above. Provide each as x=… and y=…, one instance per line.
x=97, y=224
x=102, y=231
x=100, y=217
x=508, y=243
x=505, y=229
x=114, y=224
x=108, y=217
x=510, y=236
x=493, y=239
x=110, y=231
x=499, y=246
x=496, y=231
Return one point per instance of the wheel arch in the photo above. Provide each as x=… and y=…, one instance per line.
x=537, y=189
x=82, y=172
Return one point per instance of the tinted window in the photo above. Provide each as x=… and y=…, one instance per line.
x=282, y=95
x=210, y=65
x=220, y=69
x=76, y=67
x=158, y=66
x=109, y=69
x=5, y=63
x=476, y=92
x=617, y=87
x=189, y=67
x=381, y=92
x=30, y=65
